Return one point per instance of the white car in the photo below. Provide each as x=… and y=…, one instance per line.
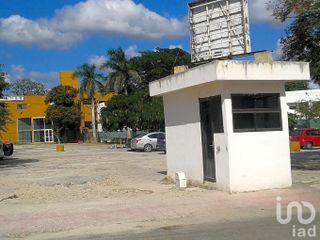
x=1, y=150
x=146, y=142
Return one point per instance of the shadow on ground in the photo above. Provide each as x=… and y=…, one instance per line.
x=16, y=162
x=308, y=160
x=262, y=228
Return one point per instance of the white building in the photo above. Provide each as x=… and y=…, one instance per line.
x=226, y=122
x=295, y=97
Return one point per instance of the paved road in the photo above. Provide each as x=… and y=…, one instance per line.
x=90, y=192
x=306, y=160
x=263, y=228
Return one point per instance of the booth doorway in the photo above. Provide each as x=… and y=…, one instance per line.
x=211, y=123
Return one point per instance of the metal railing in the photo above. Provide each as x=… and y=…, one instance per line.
x=112, y=137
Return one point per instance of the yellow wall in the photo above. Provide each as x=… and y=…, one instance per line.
x=67, y=78
x=36, y=107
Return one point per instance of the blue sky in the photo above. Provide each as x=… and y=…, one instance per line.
x=39, y=38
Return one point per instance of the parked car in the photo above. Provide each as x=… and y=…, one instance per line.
x=161, y=145
x=146, y=142
x=6, y=149
x=1, y=150
x=307, y=137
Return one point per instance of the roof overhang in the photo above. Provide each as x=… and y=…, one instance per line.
x=231, y=71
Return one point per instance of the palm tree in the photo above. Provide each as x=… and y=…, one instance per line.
x=90, y=85
x=122, y=78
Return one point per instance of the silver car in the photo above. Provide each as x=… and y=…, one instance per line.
x=146, y=142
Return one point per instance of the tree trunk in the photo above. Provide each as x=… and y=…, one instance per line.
x=93, y=115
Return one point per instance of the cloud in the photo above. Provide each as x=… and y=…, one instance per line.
x=43, y=76
x=176, y=46
x=73, y=23
x=19, y=30
x=277, y=54
x=259, y=13
x=97, y=60
x=132, y=52
x=18, y=72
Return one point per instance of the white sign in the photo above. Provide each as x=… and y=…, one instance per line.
x=308, y=228
x=219, y=28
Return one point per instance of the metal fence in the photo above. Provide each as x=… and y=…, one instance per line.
x=112, y=137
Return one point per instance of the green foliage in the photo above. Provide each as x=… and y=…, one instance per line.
x=4, y=113
x=153, y=65
x=294, y=86
x=64, y=116
x=122, y=78
x=4, y=116
x=308, y=110
x=283, y=9
x=293, y=121
x=137, y=111
x=62, y=109
x=27, y=87
x=90, y=85
x=62, y=96
x=301, y=42
x=90, y=80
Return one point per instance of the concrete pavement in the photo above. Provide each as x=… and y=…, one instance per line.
x=91, y=192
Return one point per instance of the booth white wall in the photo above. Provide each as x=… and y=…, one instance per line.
x=245, y=161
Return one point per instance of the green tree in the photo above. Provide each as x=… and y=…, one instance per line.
x=137, y=111
x=284, y=9
x=62, y=109
x=90, y=85
x=4, y=113
x=27, y=87
x=302, y=39
x=294, y=86
x=292, y=120
x=153, y=65
x=122, y=78
x=308, y=110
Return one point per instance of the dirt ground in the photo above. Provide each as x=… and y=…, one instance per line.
x=92, y=189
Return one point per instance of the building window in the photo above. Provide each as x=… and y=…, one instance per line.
x=313, y=133
x=24, y=130
x=21, y=106
x=88, y=125
x=256, y=112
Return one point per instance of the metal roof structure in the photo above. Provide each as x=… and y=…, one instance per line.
x=218, y=29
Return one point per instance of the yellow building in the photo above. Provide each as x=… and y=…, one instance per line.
x=28, y=123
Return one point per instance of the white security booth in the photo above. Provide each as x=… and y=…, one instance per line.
x=226, y=122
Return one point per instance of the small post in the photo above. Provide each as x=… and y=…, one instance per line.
x=263, y=57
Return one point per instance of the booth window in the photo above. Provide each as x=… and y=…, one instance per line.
x=256, y=112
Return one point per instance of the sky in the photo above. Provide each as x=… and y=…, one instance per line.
x=39, y=38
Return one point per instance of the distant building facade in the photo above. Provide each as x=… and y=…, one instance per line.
x=28, y=123
x=296, y=97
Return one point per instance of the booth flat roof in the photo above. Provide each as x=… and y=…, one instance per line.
x=231, y=71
